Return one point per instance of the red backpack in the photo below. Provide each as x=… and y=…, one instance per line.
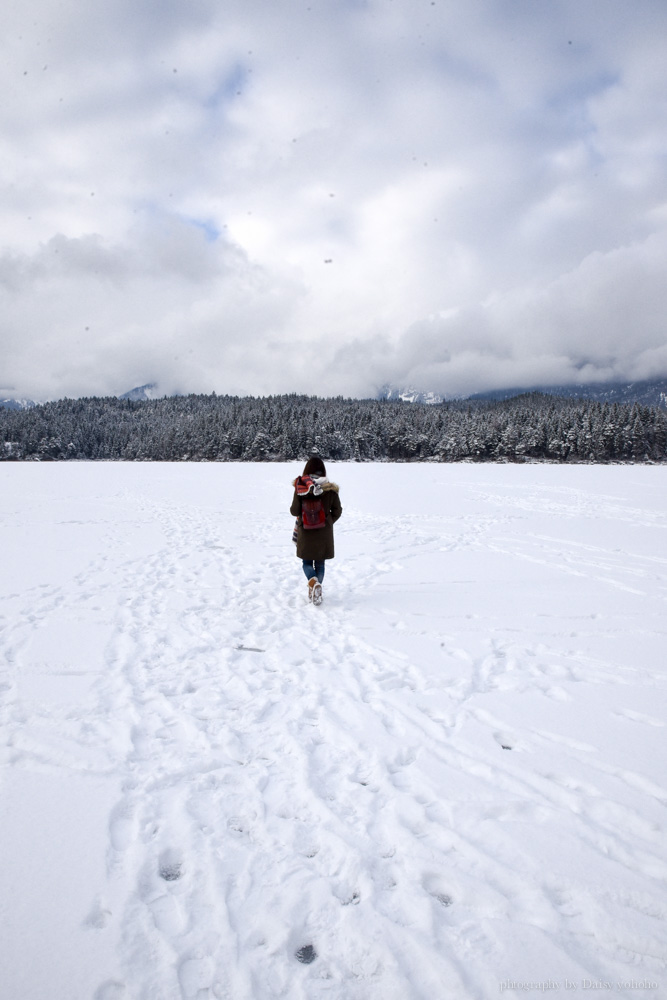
x=313, y=514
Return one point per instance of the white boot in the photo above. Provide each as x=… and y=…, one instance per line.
x=317, y=593
x=311, y=588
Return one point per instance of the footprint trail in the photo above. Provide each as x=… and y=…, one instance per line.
x=444, y=777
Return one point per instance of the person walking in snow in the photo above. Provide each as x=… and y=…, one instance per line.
x=316, y=506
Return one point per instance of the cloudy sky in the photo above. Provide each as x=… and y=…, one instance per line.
x=260, y=196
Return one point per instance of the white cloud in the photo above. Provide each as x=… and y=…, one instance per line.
x=267, y=197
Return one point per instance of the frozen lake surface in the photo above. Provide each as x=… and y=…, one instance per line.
x=448, y=781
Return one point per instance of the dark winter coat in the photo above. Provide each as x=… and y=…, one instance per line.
x=318, y=544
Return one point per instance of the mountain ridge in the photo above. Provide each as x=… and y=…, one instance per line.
x=649, y=392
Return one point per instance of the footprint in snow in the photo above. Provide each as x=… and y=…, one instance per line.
x=508, y=742
x=239, y=824
x=310, y=850
x=170, y=873
x=306, y=954
x=346, y=894
x=364, y=774
x=170, y=866
x=433, y=886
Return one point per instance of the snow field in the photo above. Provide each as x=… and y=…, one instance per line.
x=447, y=778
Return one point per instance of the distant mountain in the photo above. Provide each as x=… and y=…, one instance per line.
x=651, y=392
x=142, y=392
x=409, y=395
x=17, y=404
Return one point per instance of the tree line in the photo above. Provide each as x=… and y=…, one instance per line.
x=201, y=428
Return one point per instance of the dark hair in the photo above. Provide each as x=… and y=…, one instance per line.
x=314, y=467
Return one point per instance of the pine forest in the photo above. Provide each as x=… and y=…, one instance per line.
x=205, y=428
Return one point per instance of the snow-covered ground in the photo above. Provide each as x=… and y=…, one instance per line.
x=445, y=782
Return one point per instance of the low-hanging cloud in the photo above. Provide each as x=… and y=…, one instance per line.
x=325, y=198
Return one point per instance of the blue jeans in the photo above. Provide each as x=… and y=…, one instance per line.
x=312, y=568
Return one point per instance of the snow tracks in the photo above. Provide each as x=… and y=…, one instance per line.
x=264, y=842
x=442, y=780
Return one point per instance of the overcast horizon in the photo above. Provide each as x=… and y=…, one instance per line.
x=256, y=198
